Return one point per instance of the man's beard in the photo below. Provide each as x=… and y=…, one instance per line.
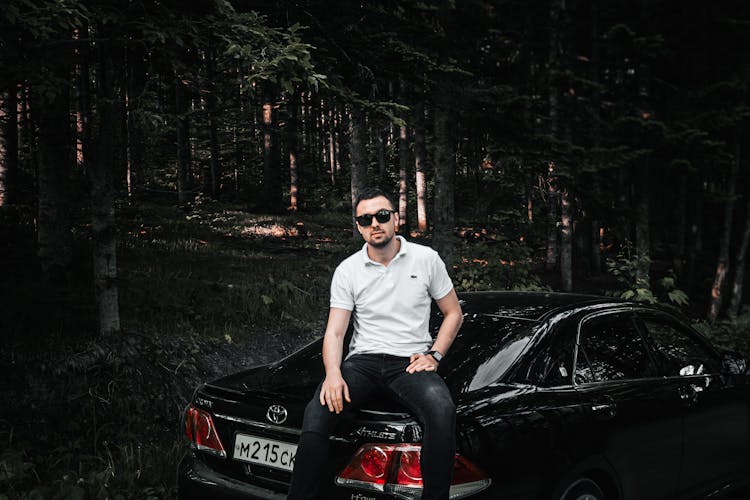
x=381, y=244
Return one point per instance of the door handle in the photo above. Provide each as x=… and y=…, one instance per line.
x=601, y=407
x=605, y=409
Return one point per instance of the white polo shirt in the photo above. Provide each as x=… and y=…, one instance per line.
x=390, y=305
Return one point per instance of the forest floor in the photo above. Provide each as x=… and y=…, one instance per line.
x=204, y=293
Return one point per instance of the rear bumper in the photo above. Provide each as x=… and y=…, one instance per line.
x=197, y=481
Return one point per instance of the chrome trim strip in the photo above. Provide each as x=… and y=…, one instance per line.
x=260, y=425
x=378, y=413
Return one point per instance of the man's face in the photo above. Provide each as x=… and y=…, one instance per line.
x=377, y=234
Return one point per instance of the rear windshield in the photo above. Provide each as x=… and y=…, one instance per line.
x=486, y=347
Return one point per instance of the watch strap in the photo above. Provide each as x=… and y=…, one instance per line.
x=436, y=355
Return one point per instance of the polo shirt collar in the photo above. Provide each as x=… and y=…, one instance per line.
x=401, y=252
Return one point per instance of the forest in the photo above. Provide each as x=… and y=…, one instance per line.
x=176, y=186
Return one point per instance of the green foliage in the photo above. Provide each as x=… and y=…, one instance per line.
x=15, y=470
x=730, y=333
x=277, y=56
x=130, y=470
x=675, y=296
x=624, y=268
x=500, y=265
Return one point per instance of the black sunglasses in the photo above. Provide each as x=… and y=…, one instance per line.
x=383, y=215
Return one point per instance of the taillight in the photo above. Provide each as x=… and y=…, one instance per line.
x=201, y=431
x=395, y=469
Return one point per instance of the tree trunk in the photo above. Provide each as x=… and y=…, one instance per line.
x=553, y=98
x=529, y=192
x=271, y=194
x=135, y=138
x=739, y=274
x=642, y=236
x=359, y=160
x=596, y=131
x=553, y=102
x=552, y=202
x=380, y=146
x=83, y=113
x=238, y=135
x=182, y=107
x=722, y=264
x=695, y=232
x=596, y=247
x=678, y=259
x=339, y=125
x=212, y=102
x=403, y=178
x=8, y=144
x=566, y=243
x=420, y=157
x=292, y=142
x=331, y=145
x=55, y=162
x=445, y=172
x=104, y=230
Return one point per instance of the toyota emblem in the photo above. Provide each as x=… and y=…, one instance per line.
x=276, y=414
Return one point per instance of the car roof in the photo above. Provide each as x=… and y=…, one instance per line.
x=526, y=305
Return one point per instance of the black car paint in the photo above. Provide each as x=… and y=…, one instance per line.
x=531, y=439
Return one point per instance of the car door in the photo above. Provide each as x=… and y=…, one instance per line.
x=635, y=414
x=715, y=409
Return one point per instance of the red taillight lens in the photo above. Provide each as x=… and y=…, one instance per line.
x=201, y=431
x=369, y=465
x=395, y=468
x=374, y=462
x=409, y=470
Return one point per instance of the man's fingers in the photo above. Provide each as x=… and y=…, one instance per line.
x=421, y=364
x=346, y=394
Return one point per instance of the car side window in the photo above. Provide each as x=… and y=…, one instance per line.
x=611, y=348
x=680, y=352
x=553, y=365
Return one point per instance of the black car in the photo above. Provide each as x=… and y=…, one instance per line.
x=558, y=396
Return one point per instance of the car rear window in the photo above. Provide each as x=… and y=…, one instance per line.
x=486, y=347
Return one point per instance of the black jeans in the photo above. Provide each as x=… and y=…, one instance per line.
x=424, y=393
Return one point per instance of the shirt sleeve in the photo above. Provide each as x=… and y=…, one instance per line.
x=341, y=291
x=440, y=282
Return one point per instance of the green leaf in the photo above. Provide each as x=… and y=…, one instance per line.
x=667, y=282
x=678, y=297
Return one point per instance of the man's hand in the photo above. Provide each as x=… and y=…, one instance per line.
x=331, y=392
x=422, y=363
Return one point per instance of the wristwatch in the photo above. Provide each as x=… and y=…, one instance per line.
x=436, y=355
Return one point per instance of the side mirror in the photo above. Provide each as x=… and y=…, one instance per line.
x=733, y=363
x=691, y=370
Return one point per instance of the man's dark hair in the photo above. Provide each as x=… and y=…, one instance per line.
x=371, y=192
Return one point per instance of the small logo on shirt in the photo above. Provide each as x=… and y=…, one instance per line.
x=413, y=276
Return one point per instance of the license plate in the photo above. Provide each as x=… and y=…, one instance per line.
x=257, y=450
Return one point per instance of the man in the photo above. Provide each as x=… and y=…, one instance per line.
x=387, y=289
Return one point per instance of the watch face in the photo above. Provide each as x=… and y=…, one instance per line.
x=436, y=355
